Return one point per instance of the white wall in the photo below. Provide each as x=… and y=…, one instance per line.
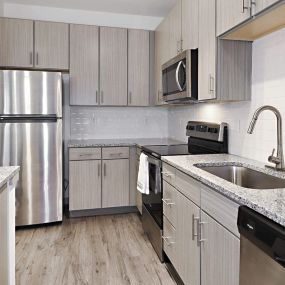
x=118, y=122
x=268, y=87
x=80, y=16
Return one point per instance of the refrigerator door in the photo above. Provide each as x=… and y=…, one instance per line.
x=35, y=146
x=30, y=93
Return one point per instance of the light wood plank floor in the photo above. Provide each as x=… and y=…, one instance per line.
x=94, y=251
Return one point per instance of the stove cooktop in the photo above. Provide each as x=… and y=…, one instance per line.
x=167, y=150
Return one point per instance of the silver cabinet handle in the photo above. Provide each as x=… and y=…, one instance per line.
x=37, y=58
x=85, y=154
x=178, y=47
x=165, y=201
x=99, y=169
x=96, y=96
x=31, y=58
x=105, y=172
x=243, y=6
x=166, y=239
x=167, y=174
x=211, y=83
x=201, y=239
x=116, y=154
x=195, y=234
x=102, y=97
x=130, y=97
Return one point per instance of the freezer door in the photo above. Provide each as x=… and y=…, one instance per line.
x=37, y=148
x=30, y=93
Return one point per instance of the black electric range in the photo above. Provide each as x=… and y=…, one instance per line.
x=203, y=138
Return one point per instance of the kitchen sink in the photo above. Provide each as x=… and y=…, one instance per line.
x=245, y=177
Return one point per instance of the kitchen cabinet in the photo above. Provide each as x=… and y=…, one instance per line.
x=190, y=23
x=138, y=67
x=207, y=49
x=220, y=254
x=187, y=250
x=99, y=178
x=200, y=235
x=84, y=65
x=261, y=5
x=16, y=45
x=113, y=66
x=51, y=45
x=115, y=183
x=174, y=24
x=85, y=183
x=230, y=13
x=138, y=194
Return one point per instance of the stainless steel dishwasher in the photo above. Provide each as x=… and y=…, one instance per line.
x=262, y=249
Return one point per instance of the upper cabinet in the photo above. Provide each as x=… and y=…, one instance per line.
x=207, y=50
x=84, y=65
x=16, y=45
x=261, y=5
x=190, y=20
x=138, y=67
x=231, y=13
x=174, y=24
x=249, y=19
x=28, y=44
x=51, y=45
x=113, y=66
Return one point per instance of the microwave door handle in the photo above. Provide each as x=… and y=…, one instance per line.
x=180, y=88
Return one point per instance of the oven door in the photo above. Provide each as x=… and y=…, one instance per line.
x=153, y=201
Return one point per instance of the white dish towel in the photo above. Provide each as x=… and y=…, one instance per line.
x=143, y=176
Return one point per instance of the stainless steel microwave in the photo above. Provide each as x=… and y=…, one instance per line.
x=180, y=78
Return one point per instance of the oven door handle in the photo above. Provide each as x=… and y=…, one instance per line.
x=181, y=63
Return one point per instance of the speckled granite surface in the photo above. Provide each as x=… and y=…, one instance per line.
x=270, y=202
x=121, y=142
x=7, y=173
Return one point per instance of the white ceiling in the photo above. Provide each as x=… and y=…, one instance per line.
x=156, y=8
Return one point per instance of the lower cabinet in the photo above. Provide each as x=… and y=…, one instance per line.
x=115, y=183
x=85, y=185
x=99, y=178
x=200, y=238
x=188, y=250
x=220, y=254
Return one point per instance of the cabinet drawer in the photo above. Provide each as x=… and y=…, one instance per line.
x=115, y=152
x=220, y=208
x=188, y=186
x=169, y=240
x=169, y=202
x=84, y=153
x=168, y=174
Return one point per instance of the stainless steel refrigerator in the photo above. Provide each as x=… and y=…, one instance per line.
x=31, y=137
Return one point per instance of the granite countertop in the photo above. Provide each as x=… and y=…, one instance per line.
x=6, y=173
x=269, y=202
x=122, y=142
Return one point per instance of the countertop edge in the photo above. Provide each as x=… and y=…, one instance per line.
x=9, y=172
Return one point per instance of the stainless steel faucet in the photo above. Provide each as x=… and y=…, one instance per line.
x=279, y=159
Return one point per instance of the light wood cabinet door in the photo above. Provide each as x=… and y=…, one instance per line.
x=51, y=45
x=16, y=44
x=190, y=24
x=230, y=13
x=84, y=65
x=174, y=23
x=261, y=5
x=158, y=63
x=207, y=49
x=187, y=248
x=85, y=185
x=113, y=66
x=115, y=188
x=220, y=254
x=138, y=67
